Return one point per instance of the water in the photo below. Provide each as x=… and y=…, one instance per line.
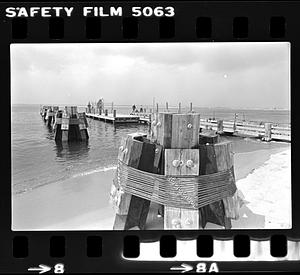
x=37, y=160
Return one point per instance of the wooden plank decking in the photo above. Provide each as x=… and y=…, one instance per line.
x=119, y=118
x=239, y=128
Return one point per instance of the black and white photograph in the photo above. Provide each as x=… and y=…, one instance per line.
x=150, y=136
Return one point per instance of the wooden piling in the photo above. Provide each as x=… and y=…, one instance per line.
x=191, y=107
x=234, y=123
x=106, y=112
x=132, y=211
x=220, y=127
x=217, y=156
x=268, y=131
x=178, y=134
x=149, y=124
x=70, y=125
x=115, y=113
x=167, y=107
x=179, y=108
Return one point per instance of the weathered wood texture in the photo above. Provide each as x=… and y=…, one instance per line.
x=185, y=131
x=70, y=125
x=268, y=131
x=184, y=134
x=209, y=136
x=220, y=127
x=217, y=157
x=161, y=129
x=137, y=152
x=177, y=131
x=182, y=162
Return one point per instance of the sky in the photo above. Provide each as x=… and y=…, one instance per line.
x=232, y=75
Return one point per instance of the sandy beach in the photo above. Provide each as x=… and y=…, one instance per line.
x=82, y=203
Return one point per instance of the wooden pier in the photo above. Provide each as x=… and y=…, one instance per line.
x=265, y=131
x=114, y=118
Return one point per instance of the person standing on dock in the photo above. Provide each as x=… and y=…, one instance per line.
x=133, y=108
x=100, y=105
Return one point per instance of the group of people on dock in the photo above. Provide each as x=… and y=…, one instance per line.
x=135, y=110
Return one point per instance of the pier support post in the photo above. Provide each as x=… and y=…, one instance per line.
x=216, y=156
x=180, y=133
x=268, y=131
x=106, y=112
x=220, y=129
x=149, y=124
x=115, y=113
x=132, y=211
x=70, y=125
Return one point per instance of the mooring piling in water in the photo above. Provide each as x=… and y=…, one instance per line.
x=70, y=125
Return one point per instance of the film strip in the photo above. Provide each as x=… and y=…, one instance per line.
x=40, y=247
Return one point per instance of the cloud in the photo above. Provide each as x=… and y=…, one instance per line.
x=257, y=73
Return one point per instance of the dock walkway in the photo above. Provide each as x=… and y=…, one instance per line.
x=119, y=118
x=239, y=128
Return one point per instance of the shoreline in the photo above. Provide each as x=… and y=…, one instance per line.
x=82, y=203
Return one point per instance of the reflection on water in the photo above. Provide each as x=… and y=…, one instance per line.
x=49, y=133
x=72, y=150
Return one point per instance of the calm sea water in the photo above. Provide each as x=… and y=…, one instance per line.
x=37, y=160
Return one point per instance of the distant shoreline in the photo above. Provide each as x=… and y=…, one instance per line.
x=150, y=105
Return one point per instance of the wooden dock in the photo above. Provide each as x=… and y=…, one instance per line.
x=265, y=131
x=115, y=119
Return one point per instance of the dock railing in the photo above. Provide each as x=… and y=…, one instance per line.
x=253, y=129
x=264, y=130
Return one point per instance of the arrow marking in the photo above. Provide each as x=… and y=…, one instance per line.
x=183, y=268
x=41, y=269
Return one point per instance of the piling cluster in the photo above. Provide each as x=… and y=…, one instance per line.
x=175, y=172
x=68, y=124
x=48, y=114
